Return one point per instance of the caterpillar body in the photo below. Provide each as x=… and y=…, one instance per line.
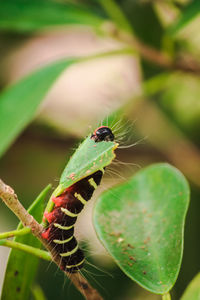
x=68, y=205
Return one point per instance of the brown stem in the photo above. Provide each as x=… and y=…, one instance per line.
x=8, y=195
x=184, y=63
x=149, y=53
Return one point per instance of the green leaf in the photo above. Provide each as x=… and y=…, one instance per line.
x=88, y=158
x=38, y=293
x=141, y=224
x=22, y=267
x=19, y=103
x=189, y=13
x=116, y=14
x=22, y=15
x=192, y=292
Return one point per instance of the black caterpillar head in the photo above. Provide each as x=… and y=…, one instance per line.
x=103, y=133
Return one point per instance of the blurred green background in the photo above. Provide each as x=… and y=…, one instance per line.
x=156, y=88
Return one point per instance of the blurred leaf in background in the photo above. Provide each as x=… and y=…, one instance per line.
x=193, y=290
x=22, y=16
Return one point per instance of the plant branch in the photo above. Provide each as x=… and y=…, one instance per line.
x=8, y=195
x=185, y=64
x=38, y=293
x=9, y=234
x=31, y=250
x=10, y=198
x=123, y=31
x=166, y=297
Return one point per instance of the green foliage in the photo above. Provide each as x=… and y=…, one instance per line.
x=22, y=267
x=18, y=104
x=115, y=14
x=88, y=158
x=141, y=224
x=188, y=15
x=38, y=293
x=22, y=15
x=193, y=290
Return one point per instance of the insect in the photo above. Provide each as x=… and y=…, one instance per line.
x=68, y=205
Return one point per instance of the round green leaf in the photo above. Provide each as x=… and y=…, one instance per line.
x=192, y=292
x=141, y=224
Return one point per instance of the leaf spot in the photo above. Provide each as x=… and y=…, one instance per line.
x=130, y=246
x=147, y=240
x=116, y=234
x=132, y=258
x=120, y=240
x=72, y=176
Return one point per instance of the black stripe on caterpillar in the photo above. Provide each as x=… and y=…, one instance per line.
x=68, y=205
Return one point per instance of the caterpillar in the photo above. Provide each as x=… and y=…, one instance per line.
x=67, y=206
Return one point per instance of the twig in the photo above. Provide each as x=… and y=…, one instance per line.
x=166, y=296
x=29, y=249
x=20, y=232
x=183, y=62
x=38, y=293
x=122, y=30
x=10, y=198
